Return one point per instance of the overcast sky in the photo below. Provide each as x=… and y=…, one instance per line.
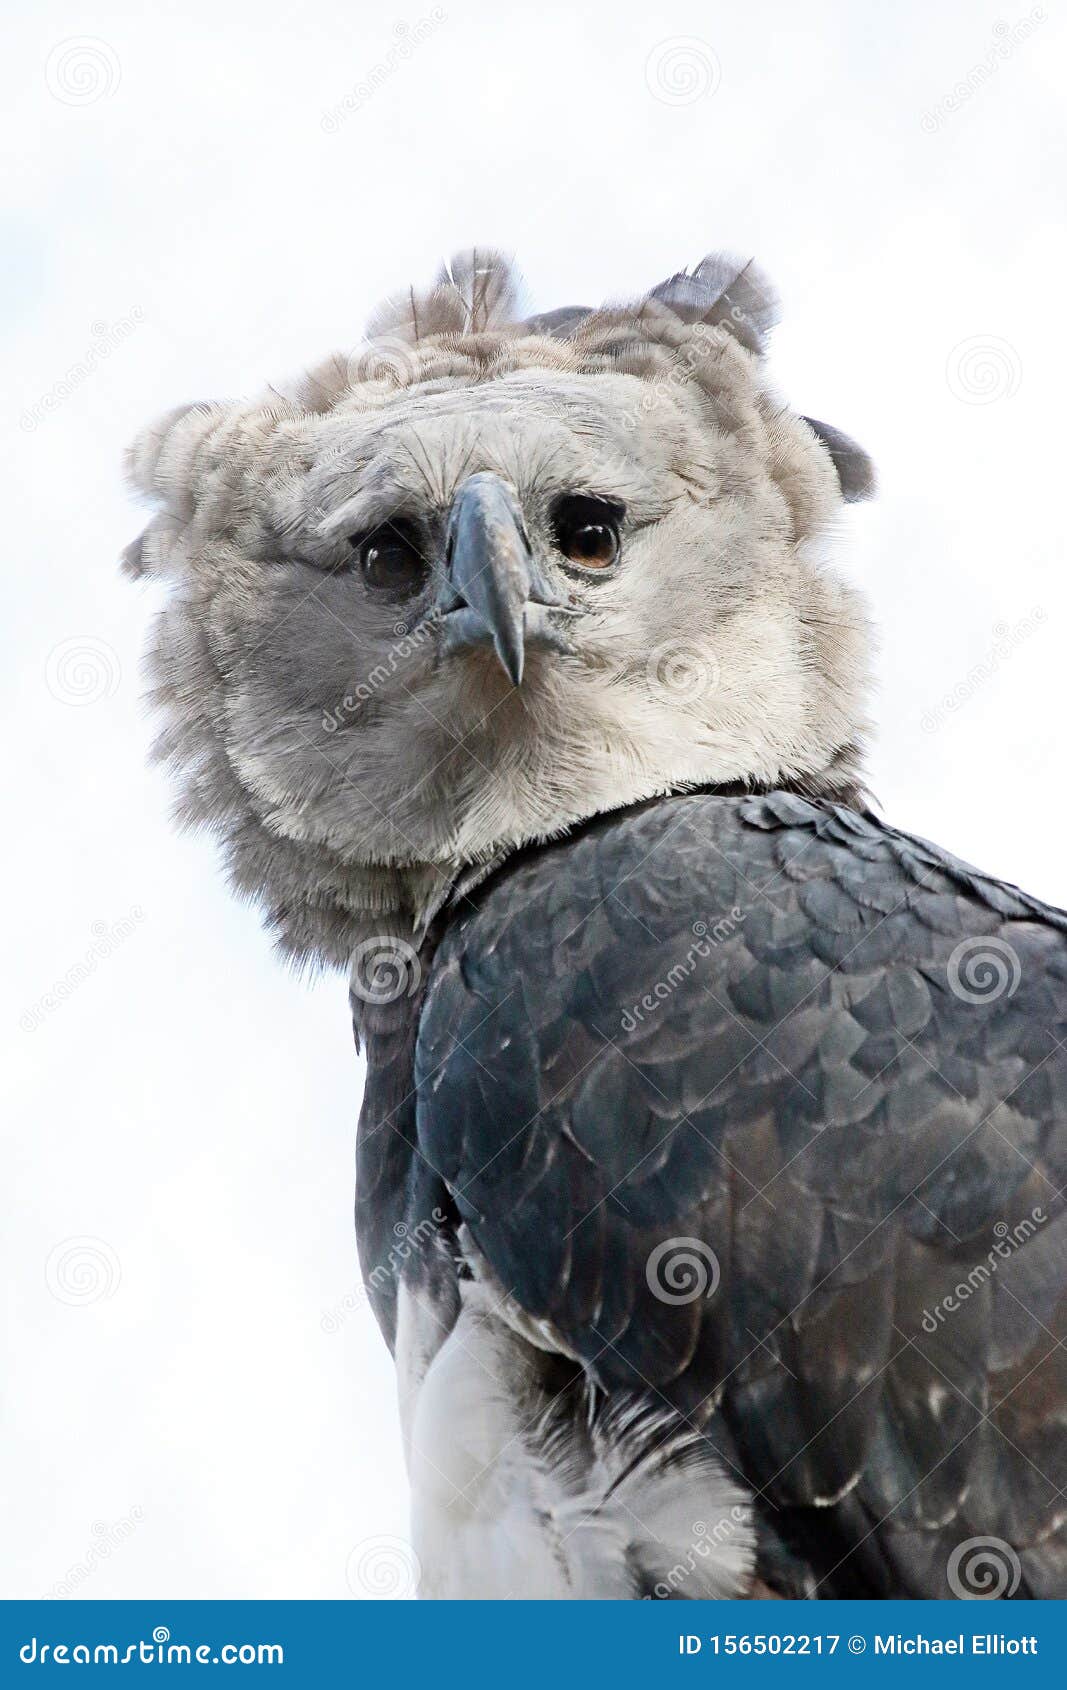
x=212, y=195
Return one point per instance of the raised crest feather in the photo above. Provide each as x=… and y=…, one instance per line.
x=724, y=292
x=476, y=290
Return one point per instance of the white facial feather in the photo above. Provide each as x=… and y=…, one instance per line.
x=350, y=768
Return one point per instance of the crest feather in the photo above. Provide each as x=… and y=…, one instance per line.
x=723, y=291
x=476, y=290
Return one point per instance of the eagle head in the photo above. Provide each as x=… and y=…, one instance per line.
x=487, y=577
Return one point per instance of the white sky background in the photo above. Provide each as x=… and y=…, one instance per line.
x=190, y=1105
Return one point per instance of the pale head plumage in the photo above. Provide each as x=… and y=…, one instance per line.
x=350, y=763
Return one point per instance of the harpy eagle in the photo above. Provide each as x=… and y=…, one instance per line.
x=711, y=1166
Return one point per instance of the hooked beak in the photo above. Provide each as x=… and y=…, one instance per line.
x=493, y=592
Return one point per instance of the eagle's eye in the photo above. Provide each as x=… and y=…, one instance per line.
x=586, y=531
x=391, y=560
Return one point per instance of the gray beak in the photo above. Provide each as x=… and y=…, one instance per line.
x=493, y=592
